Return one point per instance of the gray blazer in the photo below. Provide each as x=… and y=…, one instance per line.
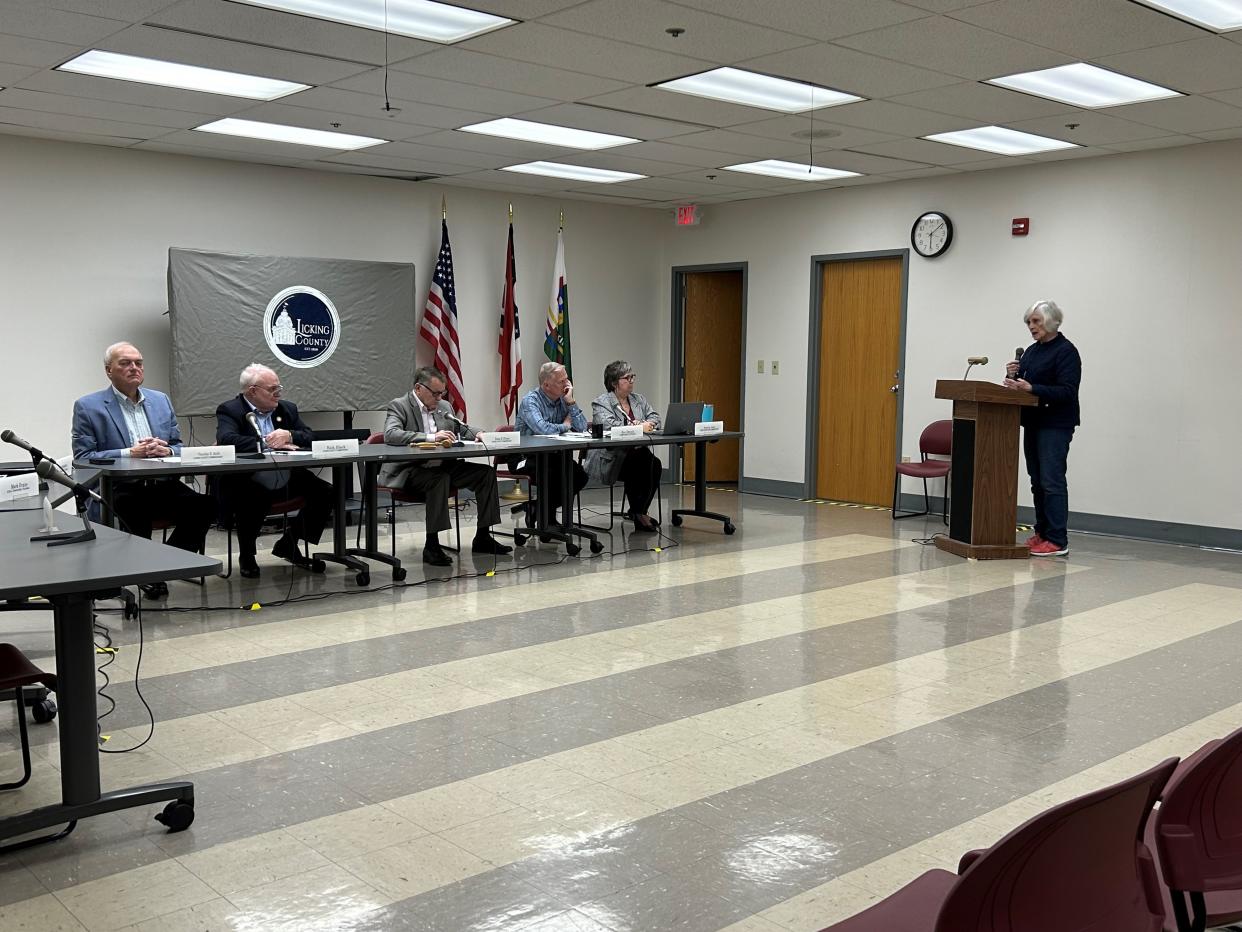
x=603, y=465
x=403, y=425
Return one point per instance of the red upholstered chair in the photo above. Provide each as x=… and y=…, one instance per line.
x=936, y=440
x=1197, y=837
x=1079, y=867
x=398, y=496
x=16, y=673
x=284, y=508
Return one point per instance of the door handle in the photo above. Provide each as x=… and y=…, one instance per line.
x=895, y=389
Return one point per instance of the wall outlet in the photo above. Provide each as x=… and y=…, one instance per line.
x=759, y=368
x=905, y=459
x=776, y=367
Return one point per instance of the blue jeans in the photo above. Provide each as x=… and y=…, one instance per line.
x=1047, y=453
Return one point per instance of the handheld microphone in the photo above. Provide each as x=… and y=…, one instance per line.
x=1017, y=357
x=9, y=437
x=51, y=472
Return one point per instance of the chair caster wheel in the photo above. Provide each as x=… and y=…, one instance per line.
x=545, y=539
x=177, y=815
x=398, y=574
x=596, y=547
x=43, y=711
x=676, y=520
x=318, y=566
x=363, y=579
x=729, y=528
x=519, y=538
x=573, y=549
x=131, y=610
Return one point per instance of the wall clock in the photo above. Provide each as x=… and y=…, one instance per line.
x=931, y=234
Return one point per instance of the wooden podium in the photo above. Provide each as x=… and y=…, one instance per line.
x=984, y=479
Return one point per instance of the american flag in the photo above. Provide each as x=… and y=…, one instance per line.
x=439, y=327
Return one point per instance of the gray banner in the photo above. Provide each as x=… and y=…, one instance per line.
x=339, y=332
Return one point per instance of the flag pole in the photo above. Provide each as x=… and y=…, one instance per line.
x=443, y=207
x=562, y=219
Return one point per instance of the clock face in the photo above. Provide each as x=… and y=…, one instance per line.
x=931, y=234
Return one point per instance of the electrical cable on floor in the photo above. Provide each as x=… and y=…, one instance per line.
x=137, y=687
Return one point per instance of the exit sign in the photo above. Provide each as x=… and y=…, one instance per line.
x=688, y=215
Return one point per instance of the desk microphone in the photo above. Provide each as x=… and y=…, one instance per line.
x=52, y=473
x=258, y=432
x=9, y=437
x=972, y=361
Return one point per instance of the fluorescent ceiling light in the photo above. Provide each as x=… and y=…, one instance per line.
x=1221, y=15
x=794, y=171
x=758, y=90
x=422, y=19
x=1001, y=141
x=572, y=172
x=526, y=130
x=187, y=77
x=297, y=135
x=1085, y=85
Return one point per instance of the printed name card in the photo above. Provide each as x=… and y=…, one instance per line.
x=500, y=438
x=23, y=486
x=627, y=432
x=335, y=447
x=708, y=428
x=208, y=456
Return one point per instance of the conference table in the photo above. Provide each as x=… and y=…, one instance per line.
x=70, y=577
x=371, y=457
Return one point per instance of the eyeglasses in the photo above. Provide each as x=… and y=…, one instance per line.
x=432, y=392
x=271, y=389
x=628, y=378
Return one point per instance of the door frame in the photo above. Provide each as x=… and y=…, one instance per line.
x=678, y=358
x=813, y=353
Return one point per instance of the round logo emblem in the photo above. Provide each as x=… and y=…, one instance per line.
x=301, y=326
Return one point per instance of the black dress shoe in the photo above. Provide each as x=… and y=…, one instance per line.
x=485, y=543
x=157, y=590
x=287, y=549
x=436, y=556
x=247, y=567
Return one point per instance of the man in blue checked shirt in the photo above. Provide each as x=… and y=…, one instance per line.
x=552, y=409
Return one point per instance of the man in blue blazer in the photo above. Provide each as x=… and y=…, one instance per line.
x=127, y=420
x=260, y=410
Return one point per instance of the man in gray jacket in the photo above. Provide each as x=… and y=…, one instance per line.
x=423, y=415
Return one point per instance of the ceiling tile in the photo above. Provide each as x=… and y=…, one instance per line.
x=442, y=93
x=475, y=68
x=848, y=70
x=1084, y=29
x=821, y=19
x=46, y=22
x=643, y=22
x=513, y=149
x=262, y=158
x=1160, y=142
x=18, y=50
x=73, y=123
x=607, y=120
x=94, y=139
x=606, y=197
x=520, y=9
x=827, y=135
x=336, y=100
x=1064, y=155
x=619, y=160
x=866, y=163
x=574, y=51
x=1232, y=97
x=1218, y=134
x=993, y=163
x=279, y=30
x=230, y=56
x=96, y=109
x=942, y=6
x=1095, y=127
x=1211, y=63
x=983, y=103
x=929, y=172
x=129, y=10
x=212, y=142
x=417, y=152
x=926, y=151
x=651, y=101
x=514, y=181
x=1182, y=115
x=690, y=184
x=680, y=155
x=11, y=74
x=755, y=146
x=376, y=126
x=375, y=158
x=885, y=117
x=954, y=47
x=130, y=92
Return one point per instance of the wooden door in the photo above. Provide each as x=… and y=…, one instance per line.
x=859, y=352
x=712, y=360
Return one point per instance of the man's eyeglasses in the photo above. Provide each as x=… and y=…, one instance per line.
x=431, y=391
x=271, y=389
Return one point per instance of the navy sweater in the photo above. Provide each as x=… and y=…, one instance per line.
x=1054, y=370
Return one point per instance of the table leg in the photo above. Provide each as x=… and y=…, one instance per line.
x=370, y=507
x=700, y=493
x=340, y=531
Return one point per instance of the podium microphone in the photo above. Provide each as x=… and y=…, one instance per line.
x=972, y=361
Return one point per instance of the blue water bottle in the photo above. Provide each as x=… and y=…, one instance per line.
x=708, y=411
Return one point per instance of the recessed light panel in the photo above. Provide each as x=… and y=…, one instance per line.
x=1001, y=141
x=529, y=131
x=186, y=77
x=572, y=172
x=794, y=171
x=1220, y=15
x=1084, y=85
x=421, y=19
x=758, y=90
x=296, y=135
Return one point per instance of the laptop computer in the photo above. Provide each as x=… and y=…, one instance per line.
x=682, y=416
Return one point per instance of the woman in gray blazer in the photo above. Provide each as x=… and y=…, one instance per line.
x=637, y=467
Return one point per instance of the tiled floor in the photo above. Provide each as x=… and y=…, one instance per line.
x=758, y=732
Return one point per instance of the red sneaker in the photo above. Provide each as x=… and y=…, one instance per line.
x=1046, y=548
x=1033, y=540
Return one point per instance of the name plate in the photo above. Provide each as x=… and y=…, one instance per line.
x=335, y=447
x=499, y=438
x=208, y=456
x=708, y=428
x=24, y=486
x=628, y=432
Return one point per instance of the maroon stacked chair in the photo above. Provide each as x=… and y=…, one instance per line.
x=936, y=440
x=1197, y=837
x=1079, y=867
x=16, y=674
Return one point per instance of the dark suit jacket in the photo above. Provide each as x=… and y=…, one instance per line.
x=232, y=428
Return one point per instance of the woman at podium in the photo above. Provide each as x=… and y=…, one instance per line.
x=1050, y=369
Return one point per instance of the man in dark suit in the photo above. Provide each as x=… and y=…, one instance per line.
x=249, y=496
x=127, y=420
x=423, y=415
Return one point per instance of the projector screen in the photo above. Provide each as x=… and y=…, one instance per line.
x=339, y=332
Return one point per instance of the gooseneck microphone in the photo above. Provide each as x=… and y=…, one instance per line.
x=52, y=473
x=972, y=361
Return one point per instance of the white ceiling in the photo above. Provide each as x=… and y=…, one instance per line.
x=589, y=64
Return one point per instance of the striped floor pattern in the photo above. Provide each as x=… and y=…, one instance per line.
x=692, y=732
